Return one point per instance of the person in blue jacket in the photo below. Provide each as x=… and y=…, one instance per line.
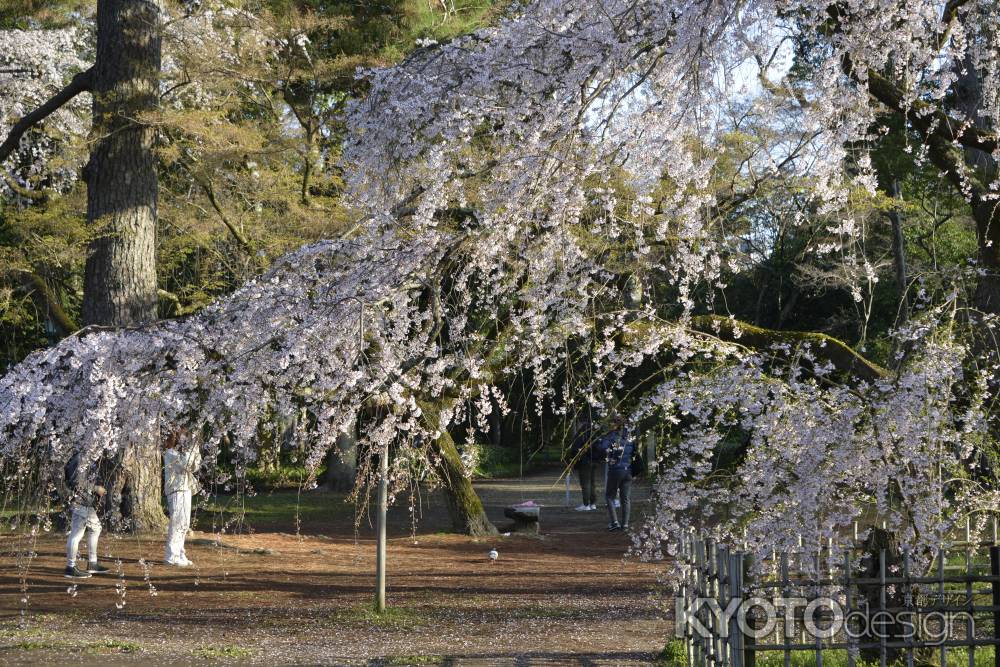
x=620, y=448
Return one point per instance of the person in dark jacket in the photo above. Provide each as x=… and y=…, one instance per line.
x=84, y=497
x=620, y=448
x=585, y=463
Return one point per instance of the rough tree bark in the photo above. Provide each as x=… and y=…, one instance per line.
x=342, y=462
x=960, y=150
x=968, y=98
x=464, y=506
x=120, y=275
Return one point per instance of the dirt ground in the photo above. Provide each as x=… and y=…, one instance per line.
x=567, y=597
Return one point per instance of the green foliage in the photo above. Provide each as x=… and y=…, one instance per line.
x=40, y=245
x=113, y=646
x=223, y=651
x=245, y=176
x=281, y=477
x=494, y=462
x=392, y=618
x=674, y=654
x=26, y=14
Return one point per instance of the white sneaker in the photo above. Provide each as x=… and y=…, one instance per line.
x=582, y=508
x=178, y=562
x=593, y=507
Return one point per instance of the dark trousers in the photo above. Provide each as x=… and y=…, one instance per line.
x=619, y=483
x=587, y=470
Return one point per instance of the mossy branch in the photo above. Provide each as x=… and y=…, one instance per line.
x=843, y=357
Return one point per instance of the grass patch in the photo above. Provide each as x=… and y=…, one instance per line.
x=412, y=660
x=674, y=654
x=36, y=645
x=281, y=477
x=276, y=510
x=502, y=462
x=230, y=651
x=112, y=646
x=831, y=658
x=393, y=618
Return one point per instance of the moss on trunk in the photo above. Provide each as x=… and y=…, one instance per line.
x=825, y=347
x=464, y=506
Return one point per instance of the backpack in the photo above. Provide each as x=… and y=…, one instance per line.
x=637, y=467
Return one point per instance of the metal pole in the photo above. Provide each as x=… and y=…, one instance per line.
x=383, y=499
x=995, y=590
x=650, y=453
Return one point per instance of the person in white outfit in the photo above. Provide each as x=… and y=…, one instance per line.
x=181, y=460
x=85, y=496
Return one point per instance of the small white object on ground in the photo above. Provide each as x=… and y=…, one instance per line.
x=493, y=555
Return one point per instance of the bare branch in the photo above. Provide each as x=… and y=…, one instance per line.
x=33, y=285
x=206, y=185
x=80, y=83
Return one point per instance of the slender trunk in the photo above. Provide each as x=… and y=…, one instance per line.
x=898, y=252
x=789, y=305
x=307, y=167
x=120, y=275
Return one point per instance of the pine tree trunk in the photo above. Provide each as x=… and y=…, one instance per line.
x=120, y=277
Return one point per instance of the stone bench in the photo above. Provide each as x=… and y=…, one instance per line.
x=525, y=518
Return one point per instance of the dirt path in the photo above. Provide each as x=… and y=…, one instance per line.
x=278, y=598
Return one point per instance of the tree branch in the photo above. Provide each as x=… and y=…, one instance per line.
x=33, y=285
x=930, y=120
x=830, y=349
x=80, y=83
x=206, y=185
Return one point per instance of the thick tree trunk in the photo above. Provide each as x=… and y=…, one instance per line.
x=120, y=281
x=342, y=462
x=136, y=480
x=120, y=277
x=985, y=208
x=464, y=507
x=879, y=541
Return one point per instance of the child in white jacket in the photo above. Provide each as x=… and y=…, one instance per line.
x=181, y=460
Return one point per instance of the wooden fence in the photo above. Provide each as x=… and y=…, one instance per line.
x=723, y=610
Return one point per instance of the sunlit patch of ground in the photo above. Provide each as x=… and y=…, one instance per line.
x=278, y=598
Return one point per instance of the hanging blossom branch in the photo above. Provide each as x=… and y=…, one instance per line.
x=501, y=156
